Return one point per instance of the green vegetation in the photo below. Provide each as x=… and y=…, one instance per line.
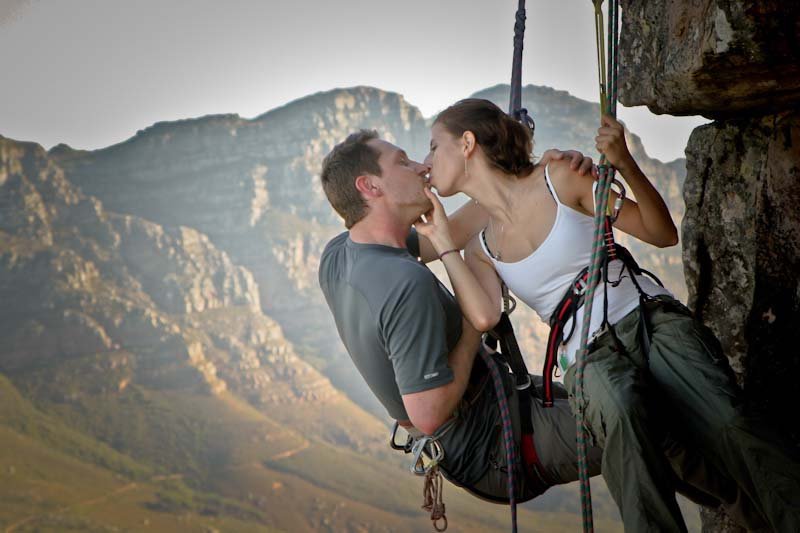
x=53, y=478
x=19, y=415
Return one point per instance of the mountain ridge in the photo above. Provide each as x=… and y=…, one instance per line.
x=178, y=269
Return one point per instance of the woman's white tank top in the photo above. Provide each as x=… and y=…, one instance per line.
x=541, y=279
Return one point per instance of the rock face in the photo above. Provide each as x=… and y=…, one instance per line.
x=710, y=57
x=742, y=251
x=738, y=62
x=176, y=312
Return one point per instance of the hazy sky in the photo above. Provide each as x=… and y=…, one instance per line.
x=92, y=73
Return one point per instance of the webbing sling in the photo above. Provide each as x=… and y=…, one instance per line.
x=515, y=108
x=517, y=111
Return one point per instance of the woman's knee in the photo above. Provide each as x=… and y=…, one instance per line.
x=625, y=419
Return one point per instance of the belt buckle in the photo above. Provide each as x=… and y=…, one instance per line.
x=580, y=287
x=524, y=385
x=597, y=333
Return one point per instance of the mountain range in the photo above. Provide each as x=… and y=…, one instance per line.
x=167, y=361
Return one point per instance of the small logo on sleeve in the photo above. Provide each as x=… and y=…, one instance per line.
x=431, y=375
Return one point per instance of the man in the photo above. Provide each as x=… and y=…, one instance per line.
x=405, y=333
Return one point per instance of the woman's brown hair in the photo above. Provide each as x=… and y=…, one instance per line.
x=507, y=144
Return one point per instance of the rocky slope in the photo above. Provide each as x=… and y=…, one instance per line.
x=165, y=304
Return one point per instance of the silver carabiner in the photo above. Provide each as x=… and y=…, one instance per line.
x=526, y=384
x=436, y=454
x=620, y=201
x=393, y=442
x=580, y=287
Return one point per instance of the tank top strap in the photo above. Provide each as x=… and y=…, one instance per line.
x=485, y=246
x=552, y=189
x=549, y=184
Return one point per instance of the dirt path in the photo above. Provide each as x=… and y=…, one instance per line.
x=283, y=455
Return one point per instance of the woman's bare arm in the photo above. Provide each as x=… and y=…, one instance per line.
x=648, y=218
x=476, y=305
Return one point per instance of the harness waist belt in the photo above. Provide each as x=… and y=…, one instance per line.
x=574, y=299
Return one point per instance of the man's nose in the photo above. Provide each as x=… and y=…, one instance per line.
x=421, y=168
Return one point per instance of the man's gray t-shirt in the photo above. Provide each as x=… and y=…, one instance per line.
x=394, y=317
x=399, y=323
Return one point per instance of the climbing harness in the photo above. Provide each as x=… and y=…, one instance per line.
x=428, y=453
x=574, y=299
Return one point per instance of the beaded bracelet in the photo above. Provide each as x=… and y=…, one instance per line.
x=447, y=252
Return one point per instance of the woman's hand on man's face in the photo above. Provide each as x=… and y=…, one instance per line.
x=435, y=225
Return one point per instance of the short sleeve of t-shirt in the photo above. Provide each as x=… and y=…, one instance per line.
x=412, y=324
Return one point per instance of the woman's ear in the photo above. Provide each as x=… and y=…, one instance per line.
x=366, y=185
x=469, y=143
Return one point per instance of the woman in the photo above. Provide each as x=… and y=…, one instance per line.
x=538, y=238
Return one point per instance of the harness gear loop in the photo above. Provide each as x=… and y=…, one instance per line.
x=508, y=431
x=432, y=500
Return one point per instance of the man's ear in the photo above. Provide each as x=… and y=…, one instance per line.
x=468, y=142
x=367, y=186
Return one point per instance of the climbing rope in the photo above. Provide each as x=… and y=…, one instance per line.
x=519, y=113
x=608, y=99
x=604, y=238
x=432, y=497
x=508, y=431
